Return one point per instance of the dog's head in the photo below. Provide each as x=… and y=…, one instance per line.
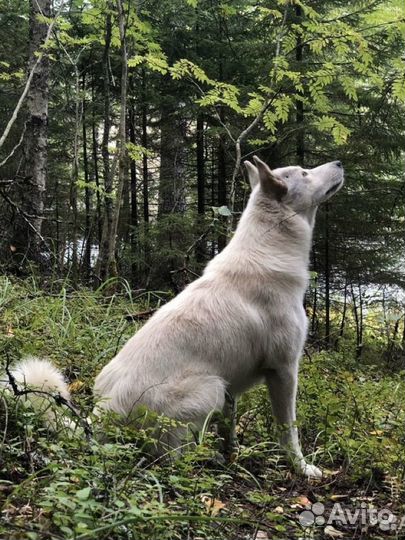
x=300, y=189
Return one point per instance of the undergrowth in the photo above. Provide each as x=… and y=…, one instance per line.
x=351, y=415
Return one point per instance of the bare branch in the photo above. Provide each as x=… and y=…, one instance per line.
x=242, y=136
x=29, y=79
x=26, y=217
x=15, y=147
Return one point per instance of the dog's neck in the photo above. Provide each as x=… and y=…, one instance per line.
x=271, y=244
x=274, y=226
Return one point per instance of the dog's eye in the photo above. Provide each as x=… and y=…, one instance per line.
x=304, y=173
x=286, y=176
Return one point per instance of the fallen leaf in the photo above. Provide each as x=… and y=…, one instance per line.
x=75, y=386
x=377, y=432
x=261, y=535
x=332, y=532
x=339, y=496
x=278, y=510
x=301, y=501
x=328, y=472
x=10, y=331
x=213, y=506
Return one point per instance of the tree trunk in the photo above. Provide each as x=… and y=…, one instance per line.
x=134, y=200
x=222, y=200
x=200, y=166
x=200, y=247
x=59, y=248
x=133, y=184
x=343, y=320
x=102, y=263
x=122, y=148
x=361, y=324
x=214, y=192
x=95, y=165
x=74, y=175
x=145, y=176
x=172, y=162
x=358, y=319
x=87, y=191
x=403, y=339
x=314, y=316
x=145, y=186
x=172, y=201
x=327, y=278
x=27, y=236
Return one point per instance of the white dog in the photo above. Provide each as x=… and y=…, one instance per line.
x=240, y=323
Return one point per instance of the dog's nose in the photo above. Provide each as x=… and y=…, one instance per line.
x=338, y=164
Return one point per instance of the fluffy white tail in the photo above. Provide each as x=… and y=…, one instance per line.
x=38, y=374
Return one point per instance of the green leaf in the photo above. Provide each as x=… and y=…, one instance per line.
x=282, y=107
x=221, y=211
x=137, y=151
x=348, y=85
x=136, y=60
x=269, y=121
x=224, y=211
x=398, y=88
x=338, y=131
x=83, y=494
x=157, y=62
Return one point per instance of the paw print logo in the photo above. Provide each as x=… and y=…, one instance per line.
x=313, y=515
x=386, y=520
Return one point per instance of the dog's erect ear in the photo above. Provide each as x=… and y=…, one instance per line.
x=253, y=174
x=270, y=184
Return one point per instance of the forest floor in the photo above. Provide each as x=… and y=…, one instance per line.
x=61, y=485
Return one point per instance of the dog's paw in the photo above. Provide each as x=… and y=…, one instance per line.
x=310, y=471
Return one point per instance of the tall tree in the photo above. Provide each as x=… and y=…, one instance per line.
x=103, y=259
x=121, y=142
x=27, y=240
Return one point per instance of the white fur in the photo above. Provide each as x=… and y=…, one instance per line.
x=242, y=322
x=39, y=374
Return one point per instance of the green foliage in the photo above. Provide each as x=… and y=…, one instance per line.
x=331, y=125
x=326, y=77
x=221, y=211
x=62, y=485
x=155, y=61
x=137, y=151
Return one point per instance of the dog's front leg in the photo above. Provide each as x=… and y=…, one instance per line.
x=227, y=426
x=282, y=385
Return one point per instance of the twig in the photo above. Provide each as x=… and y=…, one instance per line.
x=15, y=147
x=242, y=136
x=26, y=217
x=57, y=397
x=190, y=249
x=141, y=315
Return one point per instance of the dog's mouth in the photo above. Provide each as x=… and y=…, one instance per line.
x=334, y=188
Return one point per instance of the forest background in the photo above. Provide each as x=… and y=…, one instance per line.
x=124, y=126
